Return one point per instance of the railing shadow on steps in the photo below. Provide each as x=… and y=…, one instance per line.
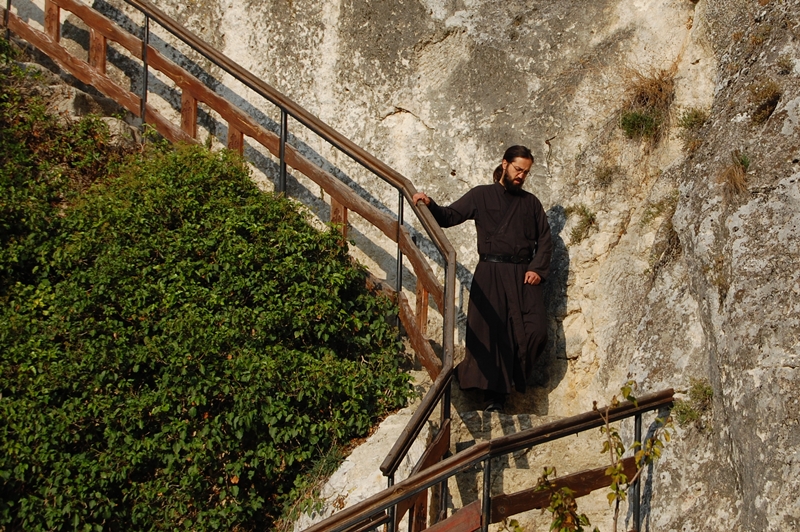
x=241, y=125
x=432, y=469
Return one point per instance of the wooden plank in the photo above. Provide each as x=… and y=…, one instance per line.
x=189, y=114
x=582, y=483
x=437, y=449
x=467, y=519
x=421, y=346
x=97, y=50
x=419, y=513
x=422, y=308
x=422, y=269
x=235, y=139
x=77, y=67
x=90, y=76
x=103, y=25
x=52, y=20
x=339, y=216
x=433, y=453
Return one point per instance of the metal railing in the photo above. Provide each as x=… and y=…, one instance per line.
x=495, y=509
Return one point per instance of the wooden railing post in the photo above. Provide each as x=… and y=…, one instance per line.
x=235, y=139
x=189, y=113
x=422, y=309
x=52, y=20
x=339, y=216
x=97, y=50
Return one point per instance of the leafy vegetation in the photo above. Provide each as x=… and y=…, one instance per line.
x=177, y=348
x=564, y=509
x=562, y=505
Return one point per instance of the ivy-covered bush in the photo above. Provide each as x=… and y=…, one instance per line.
x=176, y=347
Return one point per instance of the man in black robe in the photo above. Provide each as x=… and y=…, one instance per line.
x=506, y=321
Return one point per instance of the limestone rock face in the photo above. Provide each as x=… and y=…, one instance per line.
x=688, y=269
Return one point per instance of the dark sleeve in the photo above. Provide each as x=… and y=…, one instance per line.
x=461, y=210
x=544, y=246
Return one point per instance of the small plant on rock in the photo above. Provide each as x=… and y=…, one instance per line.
x=764, y=96
x=605, y=173
x=785, y=65
x=698, y=404
x=645, y=114
x=586, y=220
x=734, y=176
x=691, y=121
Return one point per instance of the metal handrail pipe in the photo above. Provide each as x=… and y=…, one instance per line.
x=482, y=451
x=414, y=425
x=358, y=154
x=580, y=423
x=403, y=490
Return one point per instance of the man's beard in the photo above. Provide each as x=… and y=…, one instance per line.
x=510, y=185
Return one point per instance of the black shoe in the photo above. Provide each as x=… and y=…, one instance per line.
x=496, y=400
x=494, y=407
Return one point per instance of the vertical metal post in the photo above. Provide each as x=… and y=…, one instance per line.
x=443, y=486
x=282, y=155
x=5, y=20
x=486, y=503
x=400, y=205
x=145, y=41
x=637, y=486
x=392, y=509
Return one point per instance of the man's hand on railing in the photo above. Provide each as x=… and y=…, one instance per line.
x=421, y=196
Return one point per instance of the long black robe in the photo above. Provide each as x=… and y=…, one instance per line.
x=506, y=321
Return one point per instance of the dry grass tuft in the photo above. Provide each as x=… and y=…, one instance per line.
x=764, y=95
x=691, y=121
x=734, y=176
x=785, y=65
x=586, y=221
x=648, y=96
x=604, y=174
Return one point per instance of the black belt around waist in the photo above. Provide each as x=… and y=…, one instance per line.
x=513, y=259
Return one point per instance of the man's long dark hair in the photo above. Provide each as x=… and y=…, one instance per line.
x=512, y=153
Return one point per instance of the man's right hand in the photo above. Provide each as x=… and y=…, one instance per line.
x=421, y=196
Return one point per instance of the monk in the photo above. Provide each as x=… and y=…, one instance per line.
x=506, y=321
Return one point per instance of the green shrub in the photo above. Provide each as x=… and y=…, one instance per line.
x=640, y=124
x=691, y=411
x=176, y=347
